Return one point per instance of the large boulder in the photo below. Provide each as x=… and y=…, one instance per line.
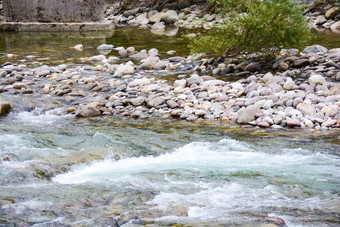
x=5, y=108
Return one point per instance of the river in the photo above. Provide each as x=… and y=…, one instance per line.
x=57, y=170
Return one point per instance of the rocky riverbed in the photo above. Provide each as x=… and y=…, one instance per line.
x=299, y=90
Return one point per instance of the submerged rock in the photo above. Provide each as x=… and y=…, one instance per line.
x=5, y=108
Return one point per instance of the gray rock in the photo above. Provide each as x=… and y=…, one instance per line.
x=147, y=64
x=142, y=19
x=200, y=113
x=123, y=53
x=158, y=28
x=320, y=20
x=170, y=17
x=42, y=72
x=172, y=104
x=306, y=109
x=336, y=27
x=140, y=55
x=137, y=114
x=131, y=50
x=247, y=114
x=156, y=18
x=317, y=49
x=137, y=101
x=63, y=92
x=98, y=58
x=8, y=81
x=160, y=65
x=176, y=59
x=156, y=102
x=268, y=104
x=125, y=69
x=180, y=83
x=194, y=79
x=5, y=108
x=87, y=111
x=253, y=67
x=301, y=63
x=105, y=47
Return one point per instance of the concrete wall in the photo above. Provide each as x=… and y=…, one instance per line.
x=54, y=10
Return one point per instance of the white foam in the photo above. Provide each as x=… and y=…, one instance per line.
x=39, y=117
x=191, y=156
x=226, y=156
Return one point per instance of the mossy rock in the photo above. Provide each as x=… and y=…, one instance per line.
x=5, y=108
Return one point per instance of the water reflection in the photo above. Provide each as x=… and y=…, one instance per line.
x=55, y=47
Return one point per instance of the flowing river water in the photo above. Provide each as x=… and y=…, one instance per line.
x=57, y=170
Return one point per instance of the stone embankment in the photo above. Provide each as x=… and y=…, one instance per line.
x=301, y=90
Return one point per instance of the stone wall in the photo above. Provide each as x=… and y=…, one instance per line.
x=54, y=10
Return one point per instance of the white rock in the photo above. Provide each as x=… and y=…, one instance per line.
x=336, y=27
x=125, y=69
x=156, y=18
x=79, y=47
x=268, y=76
x=105, y=47
x=268, y=104
x=236, y=85
x=289, y=84
x=143, y=19
x=329, y=123
x=316, y=79
x=170, y=17
x=98, y=58
x=180, y=83
x=306, y=109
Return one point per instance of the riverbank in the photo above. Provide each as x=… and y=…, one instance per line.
x=300, y=90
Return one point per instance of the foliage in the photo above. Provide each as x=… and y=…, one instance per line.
x=254, y=26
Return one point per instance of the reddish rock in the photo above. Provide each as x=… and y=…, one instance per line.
x=293, y=123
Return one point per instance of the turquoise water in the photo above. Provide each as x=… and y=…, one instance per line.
x=186, y=173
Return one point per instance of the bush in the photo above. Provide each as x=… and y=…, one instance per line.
x=255, y=26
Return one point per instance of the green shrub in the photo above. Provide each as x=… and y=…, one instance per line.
x=255, y=26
